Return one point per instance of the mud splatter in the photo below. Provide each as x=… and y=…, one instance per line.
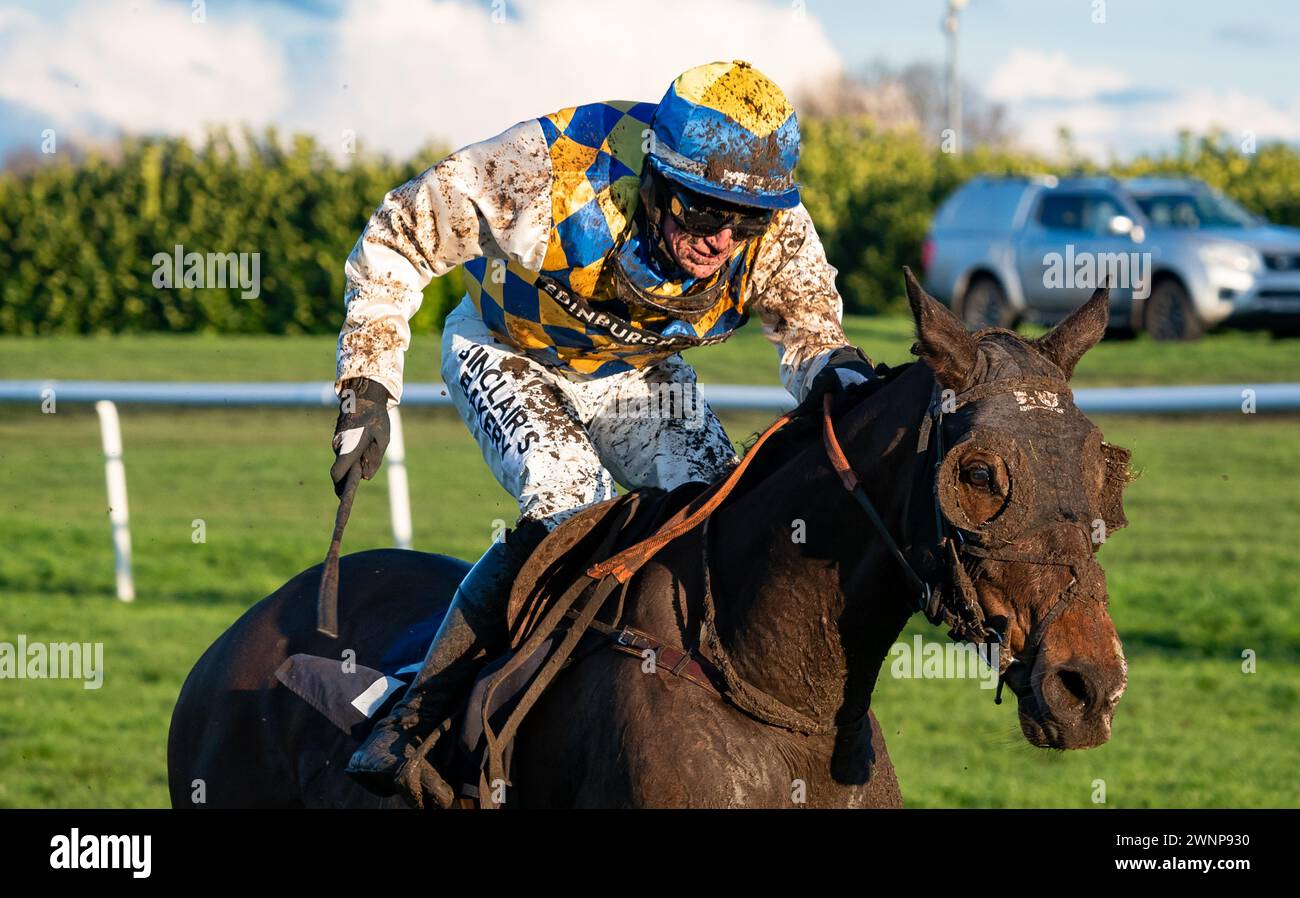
x=794, y=293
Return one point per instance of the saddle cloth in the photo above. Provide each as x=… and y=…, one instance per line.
x=353, y=696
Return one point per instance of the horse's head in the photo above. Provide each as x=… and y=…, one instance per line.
x=1029, y=490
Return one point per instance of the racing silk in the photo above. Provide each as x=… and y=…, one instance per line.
x=569, y=314
x=535, y=216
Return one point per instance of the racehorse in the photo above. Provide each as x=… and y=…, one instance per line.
x=966, y=485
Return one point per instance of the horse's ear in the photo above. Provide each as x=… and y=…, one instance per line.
x=942, y=340
x=1066, y=343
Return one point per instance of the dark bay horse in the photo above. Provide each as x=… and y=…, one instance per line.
x=789, y=590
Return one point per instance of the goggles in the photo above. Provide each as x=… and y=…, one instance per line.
x=703, y=216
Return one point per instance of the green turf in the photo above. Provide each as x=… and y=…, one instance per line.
x=747, y=358
x=1208, y=569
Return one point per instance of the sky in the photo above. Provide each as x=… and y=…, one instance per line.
x=1123, y=75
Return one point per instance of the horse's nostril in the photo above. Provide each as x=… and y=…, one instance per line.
x=1074, y=684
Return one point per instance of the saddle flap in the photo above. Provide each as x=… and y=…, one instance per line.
x=558, y=556
x=590, y=536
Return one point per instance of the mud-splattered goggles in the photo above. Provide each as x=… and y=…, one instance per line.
x=703, y=216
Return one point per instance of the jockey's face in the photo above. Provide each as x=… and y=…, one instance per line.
x=698, y=256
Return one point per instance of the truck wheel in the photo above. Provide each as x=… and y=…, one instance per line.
x=986, y=305
x=1169, y=313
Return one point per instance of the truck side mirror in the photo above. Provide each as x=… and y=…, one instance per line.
x=1122, y=226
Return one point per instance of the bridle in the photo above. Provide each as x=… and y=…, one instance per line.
x=945, y=595
x=961, y=611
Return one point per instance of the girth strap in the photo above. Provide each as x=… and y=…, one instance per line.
x=678, y=662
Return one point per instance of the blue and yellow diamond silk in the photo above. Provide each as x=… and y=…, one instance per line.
x=596, y=154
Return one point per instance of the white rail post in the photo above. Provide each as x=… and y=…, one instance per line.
x=399, y=494
x=110, y=431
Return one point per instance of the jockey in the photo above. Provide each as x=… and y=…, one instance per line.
x=598, y=242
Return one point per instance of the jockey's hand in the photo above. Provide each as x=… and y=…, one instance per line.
x=846, y=367
x=361, y=432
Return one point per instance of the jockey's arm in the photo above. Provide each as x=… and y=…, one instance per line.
x=800, y=307
x=490, y=198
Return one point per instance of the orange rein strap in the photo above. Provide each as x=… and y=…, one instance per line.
x=627, y=562
x=839, y=461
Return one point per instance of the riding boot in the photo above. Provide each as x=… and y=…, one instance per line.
x=395, y=756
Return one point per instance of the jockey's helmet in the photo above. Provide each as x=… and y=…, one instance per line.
x=725, y=130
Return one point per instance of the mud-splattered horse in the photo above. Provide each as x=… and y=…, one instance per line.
x=799, y=627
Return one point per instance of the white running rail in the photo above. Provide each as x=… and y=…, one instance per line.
x=1210, y=398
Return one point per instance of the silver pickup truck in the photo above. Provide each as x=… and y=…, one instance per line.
x=1179, y=256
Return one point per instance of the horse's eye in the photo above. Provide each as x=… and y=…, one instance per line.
x=979, y=475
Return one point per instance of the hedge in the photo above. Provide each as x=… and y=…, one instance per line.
x=78, y=240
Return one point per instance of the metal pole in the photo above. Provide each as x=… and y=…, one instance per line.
x=110, y=431
x=950, y=25
x=399, y=493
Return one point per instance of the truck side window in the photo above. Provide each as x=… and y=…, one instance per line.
x=1098, y=210
x=1062, y=212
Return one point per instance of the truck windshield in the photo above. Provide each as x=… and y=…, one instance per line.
x=1192, y=210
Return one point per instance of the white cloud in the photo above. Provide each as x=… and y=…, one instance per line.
x=449, y=70
x=1231, y=110
x=1093, y=128
x=101, y=68
x=1036, y=75
x=396, y=73
x=1047, y=91
x=400, y=73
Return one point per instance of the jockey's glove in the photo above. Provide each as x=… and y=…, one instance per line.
x=846, y=367
x=361, y=433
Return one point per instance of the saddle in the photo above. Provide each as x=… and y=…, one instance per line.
x=590, y=536
x=541, y=613
x=557, y=614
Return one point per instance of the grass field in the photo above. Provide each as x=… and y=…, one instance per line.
x=1234, y=357
x=1209, y=569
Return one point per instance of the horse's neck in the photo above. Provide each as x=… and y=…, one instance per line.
x=809, y=600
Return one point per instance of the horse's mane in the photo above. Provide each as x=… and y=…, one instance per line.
x=806, y=423
x=807, y=417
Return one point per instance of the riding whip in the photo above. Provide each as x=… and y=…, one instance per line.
x=327, y=602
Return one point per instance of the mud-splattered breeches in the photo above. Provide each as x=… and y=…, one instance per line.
x=558, y=443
